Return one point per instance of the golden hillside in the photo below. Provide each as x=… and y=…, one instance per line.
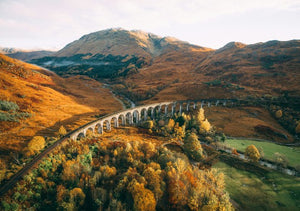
x=234, y=71
x=51, y=101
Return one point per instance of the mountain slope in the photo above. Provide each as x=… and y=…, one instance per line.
x=122, y=42
x=49, y=100
x=8, y=50
x=25, y=55
x=29, y=55
x=234, y=71
x=112, y=53
x=167, y=68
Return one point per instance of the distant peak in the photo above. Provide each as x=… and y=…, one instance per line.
x=231, y=45
x=235, y=45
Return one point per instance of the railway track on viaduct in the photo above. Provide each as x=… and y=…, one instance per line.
x=137, y=113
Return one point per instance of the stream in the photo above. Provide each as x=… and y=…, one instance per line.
x=122, y=100
x=261, y=162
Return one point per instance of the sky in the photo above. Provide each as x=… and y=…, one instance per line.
x=52, y=24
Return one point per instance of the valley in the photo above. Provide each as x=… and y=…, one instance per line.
x=67, y=137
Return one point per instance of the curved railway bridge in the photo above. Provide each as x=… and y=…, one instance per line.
x=129, y=116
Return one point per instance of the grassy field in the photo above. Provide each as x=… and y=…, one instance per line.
x=274, y=191
x=291, y=153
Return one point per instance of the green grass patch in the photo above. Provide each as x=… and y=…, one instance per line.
x=273, y=191
x=291, y=153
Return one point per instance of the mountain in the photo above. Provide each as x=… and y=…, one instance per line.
x=36, y=101
x=111, y=53
x=29, y=55
x=8, y=50
x=25, y=55
x=121, y=42
x=145, y=66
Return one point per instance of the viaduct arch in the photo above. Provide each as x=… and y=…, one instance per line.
x=135, y=115
x=132, y=116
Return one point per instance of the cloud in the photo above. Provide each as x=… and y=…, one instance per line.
x=66, y=20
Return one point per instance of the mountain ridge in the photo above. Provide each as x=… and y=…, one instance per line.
x=153, y=64
x=122, y=42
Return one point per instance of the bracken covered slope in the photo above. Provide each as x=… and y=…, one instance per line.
x=45, y=101
x=163, y=68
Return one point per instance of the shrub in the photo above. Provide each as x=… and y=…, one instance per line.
x=170, y=125
x=8, y=106
x=62, y=131
x=223, y=137
x=148, y=124
x=14, y=117
x=252, y=153
x=7, y=117
x=278, y=114
x=213, y=83
x=234, y=152
x=280, y=159
x=36, y=144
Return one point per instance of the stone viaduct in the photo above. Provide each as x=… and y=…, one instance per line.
x=130, y=116
x=135, y=115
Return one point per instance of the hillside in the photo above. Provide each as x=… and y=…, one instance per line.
x=111, y=53
x=4, y=50
x=234, y=71
x=29, y=55
x=35, y=101
x=166, y=68
x=25, y=55
x=147, y=68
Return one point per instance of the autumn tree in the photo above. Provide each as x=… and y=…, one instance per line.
x=170, y=125
x=77, y=197
x=203, y=123
x=62, y=131
x=2, y=169
x=179, y=132
x=177, y=190
x=200, y=117
x=193, y=147
x=234, y=152
x=278, y=114
x=36, y=144
x=280, y=159
x=71, y=170
x=61, y=194
x=143, y=198
x=154, y=180
x=252, y=153
x=148, y=124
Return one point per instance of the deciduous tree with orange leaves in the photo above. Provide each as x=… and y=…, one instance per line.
x=252, y=153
